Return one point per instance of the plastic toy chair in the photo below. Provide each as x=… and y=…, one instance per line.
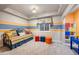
x=36, y=38
x=48, y=40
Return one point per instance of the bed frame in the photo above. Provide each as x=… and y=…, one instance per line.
x=7, y=42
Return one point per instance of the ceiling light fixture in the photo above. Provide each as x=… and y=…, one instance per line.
x=33, y=10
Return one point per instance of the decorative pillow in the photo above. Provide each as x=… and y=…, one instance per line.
x=19, y=31
x=21, y=34
x=27, y=31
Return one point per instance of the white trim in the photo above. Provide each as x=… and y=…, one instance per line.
x=67, y=10
x=60, y=6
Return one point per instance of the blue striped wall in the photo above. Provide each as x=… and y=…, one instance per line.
x=58, y=27
x=5, y=26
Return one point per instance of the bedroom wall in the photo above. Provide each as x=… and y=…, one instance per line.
x=70, y=18
x=8, y=21
x=74, y=18
x=57, y=32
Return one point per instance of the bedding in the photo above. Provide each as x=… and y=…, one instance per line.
x=12, y=38
x=21, y=34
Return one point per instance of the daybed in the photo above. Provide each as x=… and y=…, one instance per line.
x=15, y=38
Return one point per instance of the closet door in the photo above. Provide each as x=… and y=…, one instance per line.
x=56, y=36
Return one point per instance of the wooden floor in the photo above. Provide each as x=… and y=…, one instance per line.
x=4, y=49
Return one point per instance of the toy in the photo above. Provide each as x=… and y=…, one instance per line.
x=48, y=40
x=37, y=38
x=42, y=38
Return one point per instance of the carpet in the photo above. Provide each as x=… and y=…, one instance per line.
x=40, y=48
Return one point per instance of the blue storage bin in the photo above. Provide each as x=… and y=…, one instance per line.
x=72, y=37
x=67, y=33
x=42, y=38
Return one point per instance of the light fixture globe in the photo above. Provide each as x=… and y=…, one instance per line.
x=34, y=10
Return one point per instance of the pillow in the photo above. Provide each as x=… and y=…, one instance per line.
x=19, y=31
x=27, y=31
x=21, y=34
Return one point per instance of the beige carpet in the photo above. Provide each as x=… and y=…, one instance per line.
x=40, y=48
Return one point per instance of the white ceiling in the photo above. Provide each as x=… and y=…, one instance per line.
x=3, y=6
x=43, y=9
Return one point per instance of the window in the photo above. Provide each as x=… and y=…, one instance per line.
x=43, y=26
x=46, y=27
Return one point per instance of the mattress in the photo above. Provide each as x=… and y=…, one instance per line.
x=20, y=38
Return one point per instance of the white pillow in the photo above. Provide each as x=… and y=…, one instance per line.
x=21, y=34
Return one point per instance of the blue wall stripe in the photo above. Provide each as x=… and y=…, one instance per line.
x=3, y=26
x=53, y=27
x=57, y=27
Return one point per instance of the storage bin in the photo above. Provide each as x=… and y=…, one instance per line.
x=42, y=38
x=67, y=37
x=67, y=33
x=48, y=40
x=37, y=38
